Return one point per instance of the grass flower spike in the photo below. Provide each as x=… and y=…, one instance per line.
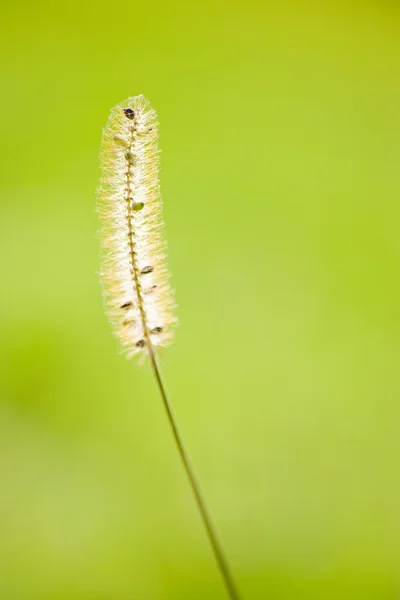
x=135, y=277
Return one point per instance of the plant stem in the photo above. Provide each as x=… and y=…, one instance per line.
x=205, y=515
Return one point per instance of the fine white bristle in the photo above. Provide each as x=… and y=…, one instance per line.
x=134, y=275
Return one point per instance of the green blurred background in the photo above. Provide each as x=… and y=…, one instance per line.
x=280, y=136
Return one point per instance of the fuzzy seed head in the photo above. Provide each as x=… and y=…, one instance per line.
x=134, y=275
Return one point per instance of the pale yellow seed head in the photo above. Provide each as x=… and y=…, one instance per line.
x=134, y=275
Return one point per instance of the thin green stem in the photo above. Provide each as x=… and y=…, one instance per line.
x=205, y=515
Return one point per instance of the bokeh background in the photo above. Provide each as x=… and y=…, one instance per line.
x=280, y=136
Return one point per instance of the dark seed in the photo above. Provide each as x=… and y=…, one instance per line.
x=129, y=113
x=130, y=157
x=127, y=305
x=128, y=322
x=146, y=270
x=156, y=330
x=140, y=343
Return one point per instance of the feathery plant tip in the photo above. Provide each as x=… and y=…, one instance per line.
x=135, y=276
